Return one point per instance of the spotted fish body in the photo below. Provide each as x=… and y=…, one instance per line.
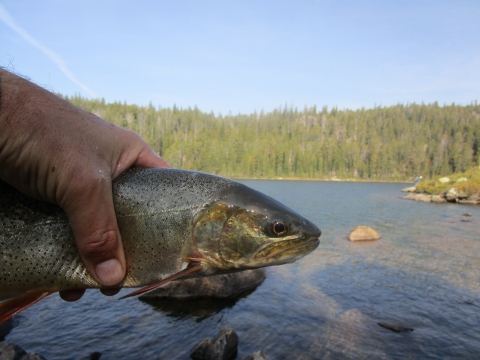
x=168, y=219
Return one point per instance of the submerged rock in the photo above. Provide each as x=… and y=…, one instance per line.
x=96, y=355
x=223, y=347
x=258, y=355
x=395, y=328
x=219, y=286
x=363, y=233
x=345, y=332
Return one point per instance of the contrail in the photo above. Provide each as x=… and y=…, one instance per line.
x=8, y=20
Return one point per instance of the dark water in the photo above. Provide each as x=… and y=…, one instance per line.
x=423, y=274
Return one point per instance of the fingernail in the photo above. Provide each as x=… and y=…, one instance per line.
x=110, y=272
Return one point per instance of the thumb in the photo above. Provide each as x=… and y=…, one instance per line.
x=94, y=224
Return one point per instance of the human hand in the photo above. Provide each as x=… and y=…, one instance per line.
x=57, y=152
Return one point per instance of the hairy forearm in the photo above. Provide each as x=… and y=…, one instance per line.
x=19, y=120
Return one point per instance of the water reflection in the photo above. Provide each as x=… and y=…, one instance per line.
x=198, y=309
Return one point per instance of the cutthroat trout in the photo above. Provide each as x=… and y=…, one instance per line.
x=174, y=224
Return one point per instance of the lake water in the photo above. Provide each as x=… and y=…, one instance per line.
x=423, y=274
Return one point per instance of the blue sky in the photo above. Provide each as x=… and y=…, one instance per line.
x=245, y=56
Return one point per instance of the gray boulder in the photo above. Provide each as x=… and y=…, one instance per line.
x=10, y=351
x=225, y=286
x=453, y=195
x=410, y=189
x=259, y=355
x=363, y=233
x=200, y=350
x=223, y=347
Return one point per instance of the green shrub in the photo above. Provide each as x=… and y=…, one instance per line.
x=469, y=187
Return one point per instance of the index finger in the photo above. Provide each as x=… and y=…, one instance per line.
x=94, y=224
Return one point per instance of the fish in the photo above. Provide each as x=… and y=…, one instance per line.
x=174, y=223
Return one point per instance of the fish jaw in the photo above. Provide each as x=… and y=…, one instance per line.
x=286, y=251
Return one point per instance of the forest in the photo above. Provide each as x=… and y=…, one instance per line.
x=384, y=143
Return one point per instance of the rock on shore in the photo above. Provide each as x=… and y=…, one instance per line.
x=451, y=196
x=10, y=351
x=223, y=347
x=225, y=286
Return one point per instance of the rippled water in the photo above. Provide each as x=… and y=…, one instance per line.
x=423, y=274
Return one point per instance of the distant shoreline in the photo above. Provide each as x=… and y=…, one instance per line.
x=324, y=180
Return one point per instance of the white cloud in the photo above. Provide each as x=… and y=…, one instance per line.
x=8, y=21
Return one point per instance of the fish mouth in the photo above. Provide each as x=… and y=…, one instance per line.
x=288, y=250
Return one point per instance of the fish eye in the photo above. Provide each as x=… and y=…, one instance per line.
x=279, y=228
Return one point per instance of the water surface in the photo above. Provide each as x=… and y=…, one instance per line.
x=423, y=274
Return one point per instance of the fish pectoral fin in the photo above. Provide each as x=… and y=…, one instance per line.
x=192, y=269
x=13, y=306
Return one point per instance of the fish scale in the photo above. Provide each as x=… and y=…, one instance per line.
x=36, y=239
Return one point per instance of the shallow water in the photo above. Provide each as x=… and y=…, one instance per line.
x=423, y=274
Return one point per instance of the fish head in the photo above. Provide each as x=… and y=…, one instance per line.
x=245, y=229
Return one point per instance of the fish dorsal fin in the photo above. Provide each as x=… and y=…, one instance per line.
x=192, y=269
x=13, y=306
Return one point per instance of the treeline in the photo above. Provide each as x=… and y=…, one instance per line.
x=384, y=143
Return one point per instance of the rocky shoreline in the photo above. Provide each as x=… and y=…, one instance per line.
x=223, y=347
x=450, y=196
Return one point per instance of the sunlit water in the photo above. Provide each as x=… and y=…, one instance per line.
x=423, y=274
